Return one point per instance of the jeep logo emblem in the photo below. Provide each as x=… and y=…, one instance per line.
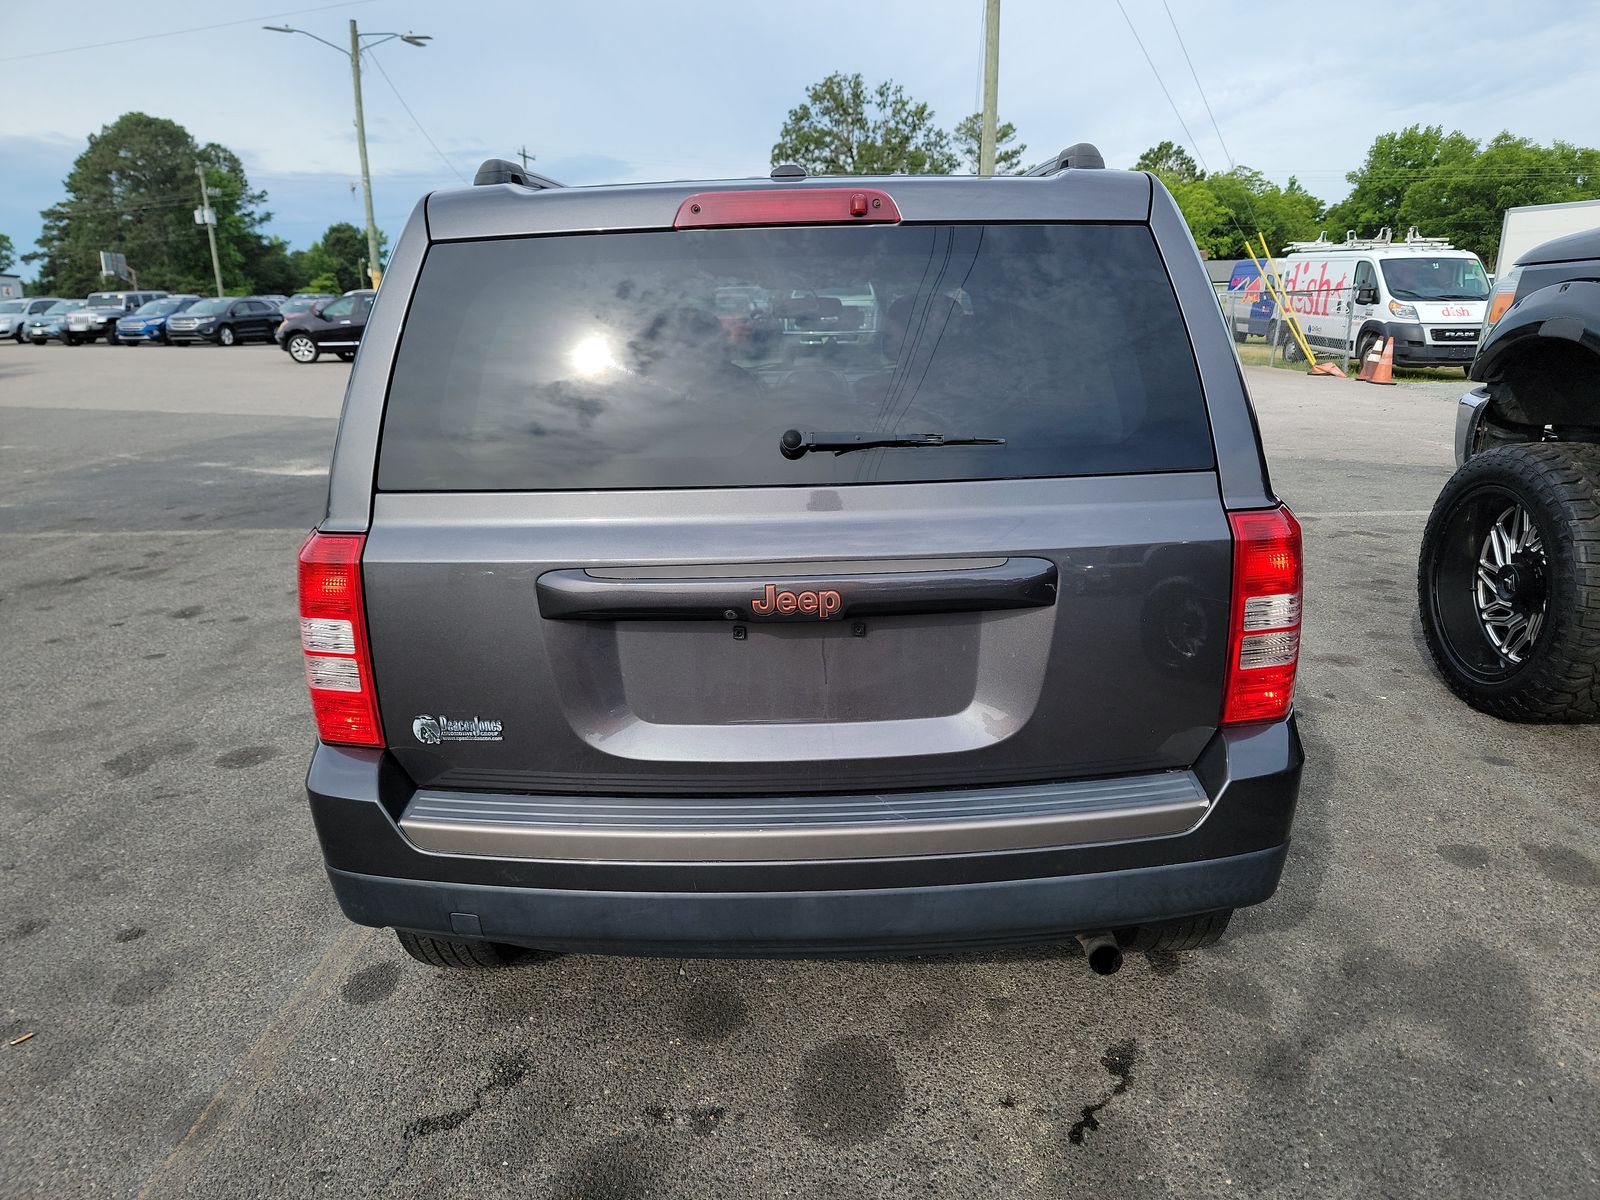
x=772, y=602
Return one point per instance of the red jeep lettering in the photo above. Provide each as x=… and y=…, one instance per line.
x=823, y=603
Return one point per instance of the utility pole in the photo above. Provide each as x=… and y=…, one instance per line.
x=525, y=156
x=373, y=270
x=991, y=85
x=411, y=39
x=207, y=216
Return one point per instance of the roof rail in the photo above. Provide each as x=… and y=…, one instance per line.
x=1385, y=237
x=498, y=170
x=1080, y=156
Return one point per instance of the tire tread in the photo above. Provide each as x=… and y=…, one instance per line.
x=1563, y=684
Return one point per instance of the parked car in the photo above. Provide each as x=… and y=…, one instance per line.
x=1509, y=577
x=148, y=323
x=100, y=313
x=297, y=305
x=274, y=298
x=312, y=296
x=224, y=321
x=16, y=314
x=333, y=325
x=51, y=325
x=621, y=638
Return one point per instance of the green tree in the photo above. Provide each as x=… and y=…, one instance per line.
x=340, y=255
x=845, y=128
x=134, y=190
x=8, y=253
x=1007, y=158
x=1225, y=209
x=1170, y=161
x=1448, y=185
x=1395, y=163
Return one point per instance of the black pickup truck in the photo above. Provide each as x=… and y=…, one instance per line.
x=1509, y=580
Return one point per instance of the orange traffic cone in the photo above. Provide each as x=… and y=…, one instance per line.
x=1327, y=368
x=1379, y=368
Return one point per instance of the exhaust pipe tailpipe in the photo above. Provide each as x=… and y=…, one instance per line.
x=1105, y=956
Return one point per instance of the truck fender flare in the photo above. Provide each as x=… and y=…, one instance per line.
x=1541, y=360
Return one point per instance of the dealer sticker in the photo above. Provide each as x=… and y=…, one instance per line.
x=430, y=731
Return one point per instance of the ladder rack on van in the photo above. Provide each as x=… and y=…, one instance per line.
x=1384, y=240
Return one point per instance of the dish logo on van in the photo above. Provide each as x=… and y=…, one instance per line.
x=820, y=604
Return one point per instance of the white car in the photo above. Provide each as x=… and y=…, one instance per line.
x=15, y=315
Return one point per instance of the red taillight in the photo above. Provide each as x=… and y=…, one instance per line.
x=1264, y=628
x=333, y=635
x=786, y=206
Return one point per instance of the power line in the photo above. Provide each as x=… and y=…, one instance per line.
x=413, y=117
x=1163, y=85
x=146, y=37
x=1195, y=76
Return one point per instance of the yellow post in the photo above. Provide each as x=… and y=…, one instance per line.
x=1280, y=295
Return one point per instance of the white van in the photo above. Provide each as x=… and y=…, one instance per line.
x=1423, y=292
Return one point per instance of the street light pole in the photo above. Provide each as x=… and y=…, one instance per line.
x=373, y=271
x=354, y=54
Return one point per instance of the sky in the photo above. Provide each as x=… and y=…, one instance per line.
x=625, y=90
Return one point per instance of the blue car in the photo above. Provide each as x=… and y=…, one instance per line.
x=148, y=322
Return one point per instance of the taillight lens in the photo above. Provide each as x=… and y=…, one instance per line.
x=1264, y=637
x=333, y=636
x=787, y=206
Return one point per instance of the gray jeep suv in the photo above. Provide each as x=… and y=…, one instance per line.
x=634, y=627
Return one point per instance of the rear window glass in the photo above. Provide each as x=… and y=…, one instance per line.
x=679, y=359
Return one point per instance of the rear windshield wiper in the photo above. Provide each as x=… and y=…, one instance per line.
x=794, y=443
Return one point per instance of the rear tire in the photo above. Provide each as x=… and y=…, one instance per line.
x=1187, y=933
x=1287, y=346
x=1550, y=580
x=451, y=954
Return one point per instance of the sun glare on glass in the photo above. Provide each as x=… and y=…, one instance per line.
x=593, y=356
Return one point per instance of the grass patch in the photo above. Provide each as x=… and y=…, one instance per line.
x=1258, y=353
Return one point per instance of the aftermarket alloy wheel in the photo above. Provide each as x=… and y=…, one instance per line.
x=225, y=336
x=453, y=955
x=302, y=349
x=1509, y=582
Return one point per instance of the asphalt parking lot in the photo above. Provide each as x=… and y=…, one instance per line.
x=1417, y=1011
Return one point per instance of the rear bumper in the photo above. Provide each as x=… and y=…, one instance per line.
x=1230, y=859
x=1015, y=911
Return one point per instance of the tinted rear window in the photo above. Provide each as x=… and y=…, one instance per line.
x=678, y=359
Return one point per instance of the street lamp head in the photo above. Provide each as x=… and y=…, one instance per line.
x=416, y=39
x=278, y=28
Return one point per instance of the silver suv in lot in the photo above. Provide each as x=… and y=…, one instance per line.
x=625, y=630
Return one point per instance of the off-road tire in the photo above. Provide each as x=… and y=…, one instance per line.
x=1558, y=679
x=452, y=955
x=1186, y=933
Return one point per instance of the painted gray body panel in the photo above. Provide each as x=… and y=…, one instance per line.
x=1091, y=685
x=506, y=210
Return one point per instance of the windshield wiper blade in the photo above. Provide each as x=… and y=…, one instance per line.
x=794, y=443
